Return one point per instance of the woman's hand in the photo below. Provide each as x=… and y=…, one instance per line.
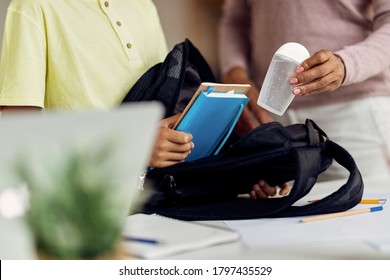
x=171, y=146
x=323, y=71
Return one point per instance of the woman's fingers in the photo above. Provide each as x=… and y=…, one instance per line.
x=323, y=71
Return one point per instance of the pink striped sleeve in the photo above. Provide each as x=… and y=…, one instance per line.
x=234, y=35
x=370, y=56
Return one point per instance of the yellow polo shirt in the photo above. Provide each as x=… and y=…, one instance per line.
x=77, y=54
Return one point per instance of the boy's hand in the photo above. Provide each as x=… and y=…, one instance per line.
x=171, y=146
x=263, y=190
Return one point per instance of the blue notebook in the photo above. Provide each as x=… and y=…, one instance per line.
x=211, y=116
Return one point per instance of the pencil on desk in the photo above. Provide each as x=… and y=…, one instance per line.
x=373, y=201
x=142, y=240
x=364, y=201
x=341, y=214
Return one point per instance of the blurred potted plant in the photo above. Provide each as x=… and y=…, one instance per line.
x=78, y=202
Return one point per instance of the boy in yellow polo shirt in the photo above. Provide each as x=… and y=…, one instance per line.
x=80, y=55
x=86, y=54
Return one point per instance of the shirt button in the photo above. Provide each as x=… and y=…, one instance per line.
x=106, y=4
x=128, y=45
x=118, y=23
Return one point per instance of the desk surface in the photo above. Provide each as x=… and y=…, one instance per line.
x=237, y=250
x=324, y=251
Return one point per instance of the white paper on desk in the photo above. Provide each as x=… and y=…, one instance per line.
x=175, y=236
x=373, y=228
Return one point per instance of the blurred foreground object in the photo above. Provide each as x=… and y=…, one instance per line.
x=82, y=172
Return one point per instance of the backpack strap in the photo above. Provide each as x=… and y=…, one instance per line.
x=346, y=197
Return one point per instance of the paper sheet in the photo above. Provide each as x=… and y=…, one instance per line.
x=372, y=228
x=174, y=236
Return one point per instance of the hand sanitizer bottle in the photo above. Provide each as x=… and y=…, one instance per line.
x=276, y=91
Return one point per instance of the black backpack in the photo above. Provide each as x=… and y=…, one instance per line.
x=208, y=188
x=173, y=81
